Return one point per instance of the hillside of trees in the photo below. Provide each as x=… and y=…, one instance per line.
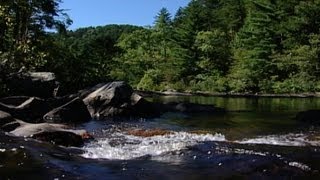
x=235, y=46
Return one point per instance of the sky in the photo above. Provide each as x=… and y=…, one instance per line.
x=86, y=13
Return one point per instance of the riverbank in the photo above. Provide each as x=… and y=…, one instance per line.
x=213, y=94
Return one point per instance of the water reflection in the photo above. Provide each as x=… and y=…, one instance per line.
x=246, y=117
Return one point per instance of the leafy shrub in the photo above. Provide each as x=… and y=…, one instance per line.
x=151, y=80
x=296, y=84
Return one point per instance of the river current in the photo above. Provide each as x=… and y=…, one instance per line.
x=257, y=139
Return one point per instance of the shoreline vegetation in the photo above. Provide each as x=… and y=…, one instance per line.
x=238, y=46
x=215, y=94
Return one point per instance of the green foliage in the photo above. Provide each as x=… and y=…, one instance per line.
x=151, y=80
x=247, y=46
x=86, y=56
x=253, y=46
x=23, y=24
x=296, y=84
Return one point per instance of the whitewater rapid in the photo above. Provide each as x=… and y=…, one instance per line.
x=121, y=146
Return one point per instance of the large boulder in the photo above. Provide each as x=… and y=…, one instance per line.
x=142, y=108
x=31, y=110
x=53, y=133
x=11, y=126
x=5, y=118
x=111, y=99
x=118, y=99
x=310, y=117
x=14, y=100
x=39, y=84
x=73, y=111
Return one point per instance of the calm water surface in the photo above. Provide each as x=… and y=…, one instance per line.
x=257, y=139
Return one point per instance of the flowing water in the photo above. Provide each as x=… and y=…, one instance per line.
x=257, y=139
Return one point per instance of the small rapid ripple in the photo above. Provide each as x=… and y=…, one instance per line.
x=283, y=140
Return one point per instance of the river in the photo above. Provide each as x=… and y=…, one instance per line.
x=257, y=139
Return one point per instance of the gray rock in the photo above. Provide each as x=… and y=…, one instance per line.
x=11, y=126
x=118, y=99
x=73, y=111
x=14, y=100
x=5, y=118
x=53, y=133
x=109, y=100
x=38, y=84
x=31, y=110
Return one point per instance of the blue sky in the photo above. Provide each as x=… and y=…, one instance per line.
x=101, y=12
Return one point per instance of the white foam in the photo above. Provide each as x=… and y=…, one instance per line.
x=282, y=140
x=300, y=166
x=130, y=147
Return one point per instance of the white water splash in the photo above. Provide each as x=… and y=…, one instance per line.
x=282, y=140
x=123, y=147
x=300, y=166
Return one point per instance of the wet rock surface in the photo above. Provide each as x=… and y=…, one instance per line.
x=117, y=99
x=74, y=111
x=30, y=110
x=5, y=118
x=53, y=133
x=34, y=109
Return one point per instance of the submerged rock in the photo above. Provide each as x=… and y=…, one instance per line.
x=310, y=116
x=192, y=108
x=148, y=132
x=73, y=111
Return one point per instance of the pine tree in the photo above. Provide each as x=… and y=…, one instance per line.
x=254, y=45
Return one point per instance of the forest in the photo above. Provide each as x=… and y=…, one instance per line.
x=223, y=46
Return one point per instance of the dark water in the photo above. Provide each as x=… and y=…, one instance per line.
x=257, y=139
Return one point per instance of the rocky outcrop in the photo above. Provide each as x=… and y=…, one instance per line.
x=14, y=100
x=116, y=99
x=31, y=110
x=310, y=117
x=74, y=111
x=10, y=126
x=53, y=133
x=5, y=118
x=38, y=84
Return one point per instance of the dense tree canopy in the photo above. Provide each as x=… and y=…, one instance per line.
x=268, y=46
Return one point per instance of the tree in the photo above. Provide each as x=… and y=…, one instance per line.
x=163, y=30
x=24, y=24
x=214, y=51
x=254, y=45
